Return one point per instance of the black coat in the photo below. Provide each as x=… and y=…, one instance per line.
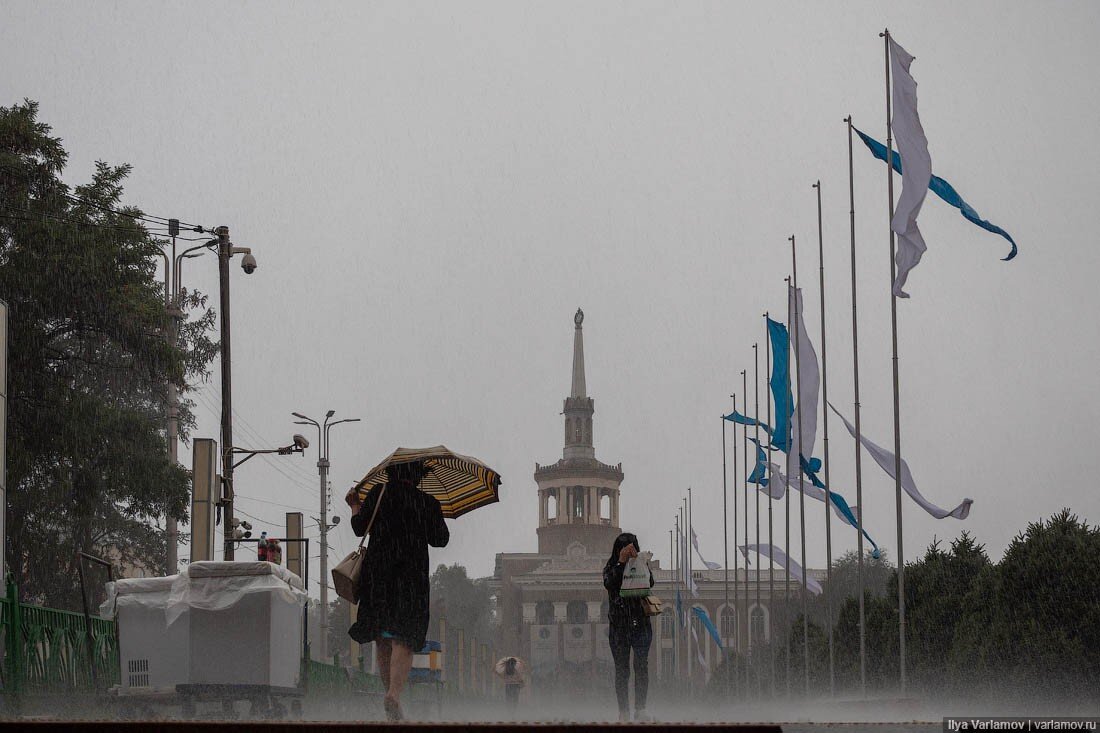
x=394, y=586
x=622, y=613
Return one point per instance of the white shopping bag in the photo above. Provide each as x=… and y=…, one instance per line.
x=636, y=576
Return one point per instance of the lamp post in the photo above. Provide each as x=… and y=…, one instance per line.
x=322, y=472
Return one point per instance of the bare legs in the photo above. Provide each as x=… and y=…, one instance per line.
x=395, y=661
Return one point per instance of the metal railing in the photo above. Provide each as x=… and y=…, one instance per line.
x=47, y=650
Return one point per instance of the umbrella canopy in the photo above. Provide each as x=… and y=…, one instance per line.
x=460, y=483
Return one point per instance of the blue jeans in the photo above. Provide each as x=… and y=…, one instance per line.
x=633, y=636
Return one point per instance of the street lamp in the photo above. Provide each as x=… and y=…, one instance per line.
x=322, y=471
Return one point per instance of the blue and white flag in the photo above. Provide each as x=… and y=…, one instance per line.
x=809, y=380
x=913, y=145
x=814, y=491
x=679, y=607
x=944, y=190
x=780, y=383
x=886, y=460
x=701, y=614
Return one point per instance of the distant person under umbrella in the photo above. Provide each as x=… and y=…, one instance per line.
x=394, y=585
x=513, y=673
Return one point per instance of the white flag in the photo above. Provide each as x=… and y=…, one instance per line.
x=885, y=459
x=685, y=566
x=695, y=543
x=806, y=487
x=916, y=170
x=804, y=430
x=780, y=558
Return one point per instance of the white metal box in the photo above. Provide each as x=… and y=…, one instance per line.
x=152, y=653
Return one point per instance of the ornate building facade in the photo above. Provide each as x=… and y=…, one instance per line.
x=552, y=605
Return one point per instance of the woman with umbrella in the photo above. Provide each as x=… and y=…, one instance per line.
x=402, y=503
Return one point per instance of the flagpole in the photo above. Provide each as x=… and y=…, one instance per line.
x=690, y=583
x=798, y=458
x=756, y=492
x=859, y=467
x=731, y=659
x=676, y=612
x=745, y=495
x=672, y=568
x=691, y=568
x=725, y=544
x=825, y=443
x=894, y=343
x=771, y=540
x=787, y=507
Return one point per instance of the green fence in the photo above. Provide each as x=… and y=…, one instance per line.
x=47, y=650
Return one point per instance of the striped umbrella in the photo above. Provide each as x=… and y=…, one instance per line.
x=460, y=483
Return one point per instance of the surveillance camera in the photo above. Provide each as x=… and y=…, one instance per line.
x=300, y=442
x=248, y=264
x=336, y=519
x=246, y=525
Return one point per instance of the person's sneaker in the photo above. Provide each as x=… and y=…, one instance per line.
x=641, y=717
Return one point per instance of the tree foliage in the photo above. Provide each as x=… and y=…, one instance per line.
x=88, y=368
x=465, y=603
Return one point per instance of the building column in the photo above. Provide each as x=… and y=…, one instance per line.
x=615, y=508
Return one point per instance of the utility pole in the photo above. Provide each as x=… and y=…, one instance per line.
x=171, y=302
x=224, y=253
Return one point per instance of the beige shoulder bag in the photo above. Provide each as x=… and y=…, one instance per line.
x=346, y=574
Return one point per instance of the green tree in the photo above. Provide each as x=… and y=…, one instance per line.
x=466, y=603
x=88, y=368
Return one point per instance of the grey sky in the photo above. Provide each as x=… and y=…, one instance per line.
x=432, y=190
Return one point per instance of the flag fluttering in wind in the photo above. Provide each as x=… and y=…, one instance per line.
x=759, y=473
x=701, y=614
x=780, y=383
x=917, y=174
x=943, y=189
x=737, y=417
x=885, y=459
x=780, y=558
x=839, y=503
x=699, y=652
x=804, y=434
x=695, y=544
x=685, y=565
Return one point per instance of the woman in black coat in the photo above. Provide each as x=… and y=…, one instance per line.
x=628, y=630
x=394, y=585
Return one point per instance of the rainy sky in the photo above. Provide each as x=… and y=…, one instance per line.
x=432, y=189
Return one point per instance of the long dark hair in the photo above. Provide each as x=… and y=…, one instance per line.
x=626, y=538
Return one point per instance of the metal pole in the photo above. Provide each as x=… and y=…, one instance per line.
x=756, y=492
x=798, y=457
x=771, y=565
x=224, y=246
x=171, y=527
x=859, y=451
x=894, y=343
x=745, y=495
x=787, y=505
x=736, y=602
x=725, y=554
x=322, y=473
x=825, y=448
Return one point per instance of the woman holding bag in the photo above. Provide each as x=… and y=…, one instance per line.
x=394, y=583
x=628, y=629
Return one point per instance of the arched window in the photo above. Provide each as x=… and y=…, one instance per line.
x=576, y=612
x=551, y=505
x=729, y=623
x=605, y=507
x=544, y=613
x=668, y=623
x=758, y=626
x=578, y=502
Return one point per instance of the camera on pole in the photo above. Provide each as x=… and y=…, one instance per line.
x=241, y=530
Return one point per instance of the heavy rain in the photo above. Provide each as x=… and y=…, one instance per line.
x=548, y=364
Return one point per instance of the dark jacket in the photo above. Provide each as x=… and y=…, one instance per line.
x=394, y=586
x=622, y=612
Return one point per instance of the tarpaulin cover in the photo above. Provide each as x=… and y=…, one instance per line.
x=136, y=592
x=217, y=585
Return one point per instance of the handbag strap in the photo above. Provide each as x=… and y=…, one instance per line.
x=373, y=515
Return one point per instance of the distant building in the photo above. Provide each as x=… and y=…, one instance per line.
x=552, y=605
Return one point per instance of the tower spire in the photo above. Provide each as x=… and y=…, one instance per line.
x=578, y=389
